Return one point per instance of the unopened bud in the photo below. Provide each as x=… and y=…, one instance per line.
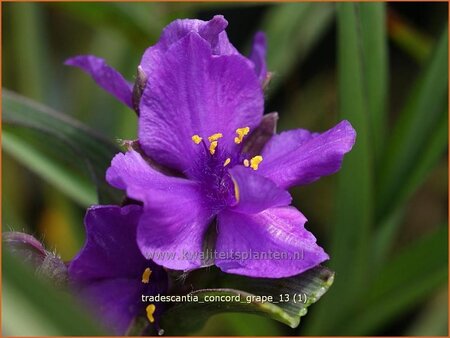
x=138, y=88
x=258, y=138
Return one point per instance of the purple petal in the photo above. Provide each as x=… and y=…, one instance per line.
x=116, y=302
x=108, y=270
x=176, y=215
x=299, y=157
x=256, y=193
x=213, y=31
x=172, y=232
x=142, y=182
x=271, y=244
x=105, y=76
x=110, y=250
x=258, y=56
x=192, y=92
x=135, y=145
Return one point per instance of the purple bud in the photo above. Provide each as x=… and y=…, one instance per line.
x=53, y=268
x=25, y=246
x=28, y=248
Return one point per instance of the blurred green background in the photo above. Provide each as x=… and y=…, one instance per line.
x=383, y=218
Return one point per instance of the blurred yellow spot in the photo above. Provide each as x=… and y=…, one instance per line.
x=212, y=147
x=241, y=132
x=146, y=275
x=59, y=225
x=227, y=162
x=246, y=163
x=150, y=311
x=255, y=161
x=197, y=139
x=215, y=137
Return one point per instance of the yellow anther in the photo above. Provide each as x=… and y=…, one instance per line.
x=255, y=161
x=246, y=163
x=236, y=189
x=241, y=132
x=150, y=309
x=215, y=137
x=146, y=275
x=197, y=139
x=212, y=147
x=227, y=162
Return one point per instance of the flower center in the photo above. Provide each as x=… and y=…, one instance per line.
x=211, y=167
x=240, y=134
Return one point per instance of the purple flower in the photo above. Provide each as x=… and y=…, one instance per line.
x=201, y=115
x=111, y=273
x=212, y=32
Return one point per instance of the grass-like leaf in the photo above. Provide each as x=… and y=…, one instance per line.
x=292, y=31
x=72, y=184
x=372, y=23
x=354, y=198
x=403, y=283
x=68, y=140
x=418, y=142
x=424, y=112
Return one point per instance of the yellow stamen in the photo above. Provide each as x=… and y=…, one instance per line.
x=212, y=147
x=197, y=139
x=146, y=275
x=227, y=162
x=150, y=309
x=241, y=132
x=236, y=189
x=255, y=161
x=246, y=163
x=215, y=137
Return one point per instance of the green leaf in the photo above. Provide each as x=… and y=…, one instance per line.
x=354, y=197
x=408, y=38
x=28, y=40
x=74, y=185
x=292, y=32
x=383, y=235
x=115, y=16
x=433, y=153
x=240, y=324
x=433, y=321
x=303, y=290
x=372, y=23
x=55, y=146
x=32, y=306
x=417, y=144
x=405, y=281
x=423, y=114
